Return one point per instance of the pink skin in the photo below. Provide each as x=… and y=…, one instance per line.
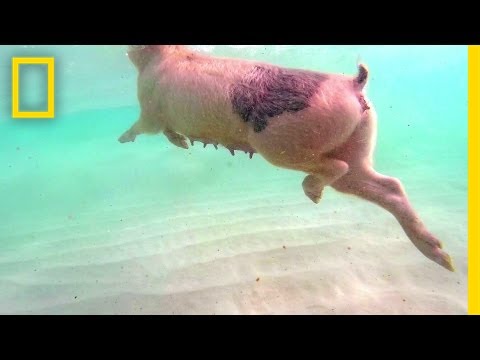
x=184, y=94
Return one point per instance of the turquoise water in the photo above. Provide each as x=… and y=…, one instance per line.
x=93, y=226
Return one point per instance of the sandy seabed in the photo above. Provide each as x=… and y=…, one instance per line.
x=239, y=246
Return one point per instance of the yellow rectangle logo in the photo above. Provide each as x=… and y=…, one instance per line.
x=50, y=62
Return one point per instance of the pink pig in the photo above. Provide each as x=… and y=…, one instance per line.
x=321, y=124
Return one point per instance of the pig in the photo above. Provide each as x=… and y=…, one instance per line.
x=321, y=124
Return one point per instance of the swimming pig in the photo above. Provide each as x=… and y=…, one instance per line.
x=320, y=124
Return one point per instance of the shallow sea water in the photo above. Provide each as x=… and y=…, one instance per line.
x=91, y=226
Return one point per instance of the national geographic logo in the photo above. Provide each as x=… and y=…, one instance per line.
x=49, y=113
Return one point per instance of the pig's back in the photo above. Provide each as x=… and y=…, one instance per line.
x=224, y=99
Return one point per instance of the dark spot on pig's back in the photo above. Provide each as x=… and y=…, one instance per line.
x=266, y=92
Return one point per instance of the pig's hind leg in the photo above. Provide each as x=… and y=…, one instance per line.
x=327, y=172
x=389, y=193
x=363, y=181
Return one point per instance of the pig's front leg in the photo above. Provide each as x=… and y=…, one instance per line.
x=176, y=139
x=131, y=134
x=145, y=125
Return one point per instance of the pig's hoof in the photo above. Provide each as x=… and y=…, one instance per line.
x=176, y=139
x=315, y=197
x=431, y=247
x=313, y=188
x=127, y=137
x=445, y=260
x=180, y=141
x=441, y=258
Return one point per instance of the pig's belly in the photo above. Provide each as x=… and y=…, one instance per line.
x=212, y=127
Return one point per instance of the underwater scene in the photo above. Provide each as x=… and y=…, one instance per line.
x=129, y=200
